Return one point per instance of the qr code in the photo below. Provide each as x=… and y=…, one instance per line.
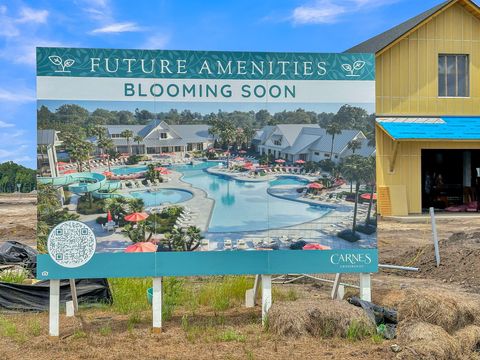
x=71, y=244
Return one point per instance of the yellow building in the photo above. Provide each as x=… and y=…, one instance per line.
x=428, y=111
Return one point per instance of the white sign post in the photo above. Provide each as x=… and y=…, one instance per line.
x=157, y=305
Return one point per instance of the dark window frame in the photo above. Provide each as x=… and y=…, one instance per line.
x=443, y=86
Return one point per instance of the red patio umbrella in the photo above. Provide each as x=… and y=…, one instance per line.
x=248, y=166
x=165, y=172
x=62, y=163
x=315, y=186
x=108, y=173
x=367, y=196
x=280, y=161
x=160, y=169
x=300, y=161
x=69, y=172
x=109, y=216
x=315, y=246
x=136, y=216
x=239, y=158
x=141, y=247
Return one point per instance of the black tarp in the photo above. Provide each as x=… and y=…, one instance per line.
x=15, y=253
x=36, y=297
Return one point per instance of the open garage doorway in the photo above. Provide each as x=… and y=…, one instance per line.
x=451, y=180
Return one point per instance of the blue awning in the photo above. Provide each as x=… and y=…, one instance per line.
x=444, y=128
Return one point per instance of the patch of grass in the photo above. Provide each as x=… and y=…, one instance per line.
x=222, y=294
x=8, y=328
x=13, y=276
x=230, y=335
x=377, y=339
x=284, y=295
x=105, y=330
x=192, y=331
x=79, y=334
x=130, y=294
x=133, y=320
x=35, y=328
x=357, y=331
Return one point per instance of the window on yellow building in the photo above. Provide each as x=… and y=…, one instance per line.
x=453, y=75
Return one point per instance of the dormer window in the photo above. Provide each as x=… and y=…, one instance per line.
x=163, y=135
x=277, y=141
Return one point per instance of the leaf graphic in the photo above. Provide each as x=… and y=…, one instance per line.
x=347, y=67
x=357, y=65
x=56, y=60
x=68, y=63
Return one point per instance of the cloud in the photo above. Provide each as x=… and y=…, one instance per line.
x=31, y=15
x=4, y=125
x=21, y=96
x=118, y=28
x=327, y=11
x=156, y=42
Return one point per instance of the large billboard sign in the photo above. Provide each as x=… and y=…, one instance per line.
x=156, y=163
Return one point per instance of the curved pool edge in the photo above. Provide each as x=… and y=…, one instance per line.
x=159, y=190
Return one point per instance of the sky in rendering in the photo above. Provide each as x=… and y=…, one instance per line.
x=247, y=25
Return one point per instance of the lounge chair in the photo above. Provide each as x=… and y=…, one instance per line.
x=227, y=244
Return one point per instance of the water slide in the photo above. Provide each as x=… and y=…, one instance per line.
x=86, y=182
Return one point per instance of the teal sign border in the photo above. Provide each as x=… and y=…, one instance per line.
x=112, y=265
x=76, y=62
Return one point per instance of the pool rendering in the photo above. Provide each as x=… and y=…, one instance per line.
x=246, y=206
x=203, y=195
x=153, y=198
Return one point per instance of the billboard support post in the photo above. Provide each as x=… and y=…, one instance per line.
x=365, y=287
x=157, y=305
x=266, y=296
x=54, y=309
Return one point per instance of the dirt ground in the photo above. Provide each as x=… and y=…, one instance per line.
x=99, y=334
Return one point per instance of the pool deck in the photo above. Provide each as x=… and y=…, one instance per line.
x=244, y=176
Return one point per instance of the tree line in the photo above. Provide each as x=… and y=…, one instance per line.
x=76, y=118
x=14, y=177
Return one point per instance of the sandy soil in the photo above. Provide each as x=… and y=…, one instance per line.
x=18, y=218
x=399, y=243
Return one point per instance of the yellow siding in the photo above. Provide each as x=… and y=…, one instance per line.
x=407, y=169
x=407, y=73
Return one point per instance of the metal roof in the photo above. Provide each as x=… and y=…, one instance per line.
x=379, y=42
x=47, y=137
x=450, y=128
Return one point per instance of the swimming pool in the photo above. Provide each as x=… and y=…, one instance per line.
x=246, y=206
x=159, y=197
x=126, y=170
x=289, y=180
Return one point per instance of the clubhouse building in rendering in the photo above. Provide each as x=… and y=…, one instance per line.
x=309, y=142
x=159, y=137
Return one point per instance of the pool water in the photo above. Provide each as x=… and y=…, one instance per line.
x=159, y=197
x=129, y=170
x=289, y=180
x=246, y=206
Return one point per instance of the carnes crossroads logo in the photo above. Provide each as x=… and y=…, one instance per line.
x=352, y=260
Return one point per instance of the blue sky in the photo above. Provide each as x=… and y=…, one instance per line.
x=248, y=25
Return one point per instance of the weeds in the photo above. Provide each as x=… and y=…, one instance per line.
x=35, y=327
x=224, y=294
x=14, y=276
x=357, y=331
x=105, y=330
x=230, y=335
x=129, y=295
x=282, y=295
x=79, y=334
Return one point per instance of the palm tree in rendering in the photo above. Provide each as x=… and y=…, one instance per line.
x=354, y=145
x=138, y=139
x=333, y=128
x=127, y=134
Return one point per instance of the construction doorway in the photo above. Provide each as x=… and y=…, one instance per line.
x=451, y=180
